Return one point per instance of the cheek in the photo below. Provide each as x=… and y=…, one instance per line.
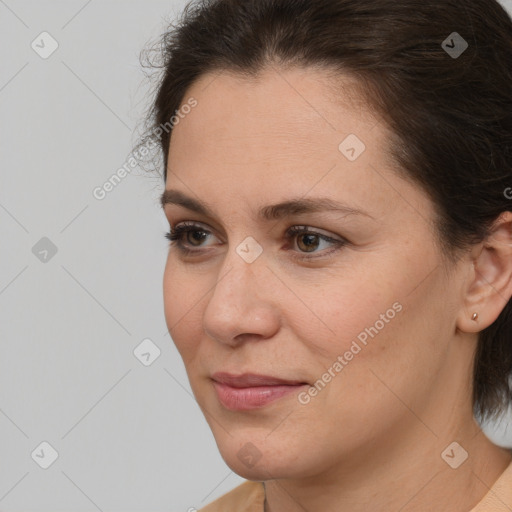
x=182, y=309
x=349, y=311
x=385, y=346
x=367, y=322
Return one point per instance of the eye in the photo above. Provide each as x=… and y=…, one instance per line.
x=188, y=237
x=309, y=240
x=192, y=233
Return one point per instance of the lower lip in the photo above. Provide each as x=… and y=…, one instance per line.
x=245, y=399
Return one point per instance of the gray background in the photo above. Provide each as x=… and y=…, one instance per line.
x=129, y=437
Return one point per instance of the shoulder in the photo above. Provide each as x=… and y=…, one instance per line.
x=499, y=497
x=247, y=497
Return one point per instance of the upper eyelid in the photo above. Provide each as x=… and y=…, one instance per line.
x=182, y=228
x=294, y=228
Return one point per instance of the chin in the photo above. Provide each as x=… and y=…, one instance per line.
x=256, y=474
x=261, y=471
x=262, y=458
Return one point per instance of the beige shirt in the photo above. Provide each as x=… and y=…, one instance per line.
x=249, y=497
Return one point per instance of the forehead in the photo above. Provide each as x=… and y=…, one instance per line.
x=284, y=114
x=281, y=133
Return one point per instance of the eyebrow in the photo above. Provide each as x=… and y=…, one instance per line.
x=277, y=211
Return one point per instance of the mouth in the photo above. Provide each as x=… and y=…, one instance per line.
x=252, y=391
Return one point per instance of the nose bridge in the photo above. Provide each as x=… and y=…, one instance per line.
x=237, y=278
x=242, y=269
x=240, y=303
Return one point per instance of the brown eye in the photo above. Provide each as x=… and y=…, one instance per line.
x=188, y=237
x=307, y=242
x=195, y=235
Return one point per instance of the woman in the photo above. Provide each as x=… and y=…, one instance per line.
x=339, y=278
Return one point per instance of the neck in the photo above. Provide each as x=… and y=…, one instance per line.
x=409, y=475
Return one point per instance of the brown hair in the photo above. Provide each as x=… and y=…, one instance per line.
x=450, y=113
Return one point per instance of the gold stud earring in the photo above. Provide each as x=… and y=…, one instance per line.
x=474, y=317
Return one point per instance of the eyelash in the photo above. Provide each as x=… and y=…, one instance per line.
x=176, y=234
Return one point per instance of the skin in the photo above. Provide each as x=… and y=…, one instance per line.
x=372, y=438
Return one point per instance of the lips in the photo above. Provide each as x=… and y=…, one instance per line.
x=251, y=391
x=248, y=380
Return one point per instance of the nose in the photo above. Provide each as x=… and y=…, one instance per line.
x=242, y=305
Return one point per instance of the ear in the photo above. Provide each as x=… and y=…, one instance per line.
x=489, y=284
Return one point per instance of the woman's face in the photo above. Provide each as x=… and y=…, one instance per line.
x=357, y=316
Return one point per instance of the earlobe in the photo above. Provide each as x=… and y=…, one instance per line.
x=489, y=286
